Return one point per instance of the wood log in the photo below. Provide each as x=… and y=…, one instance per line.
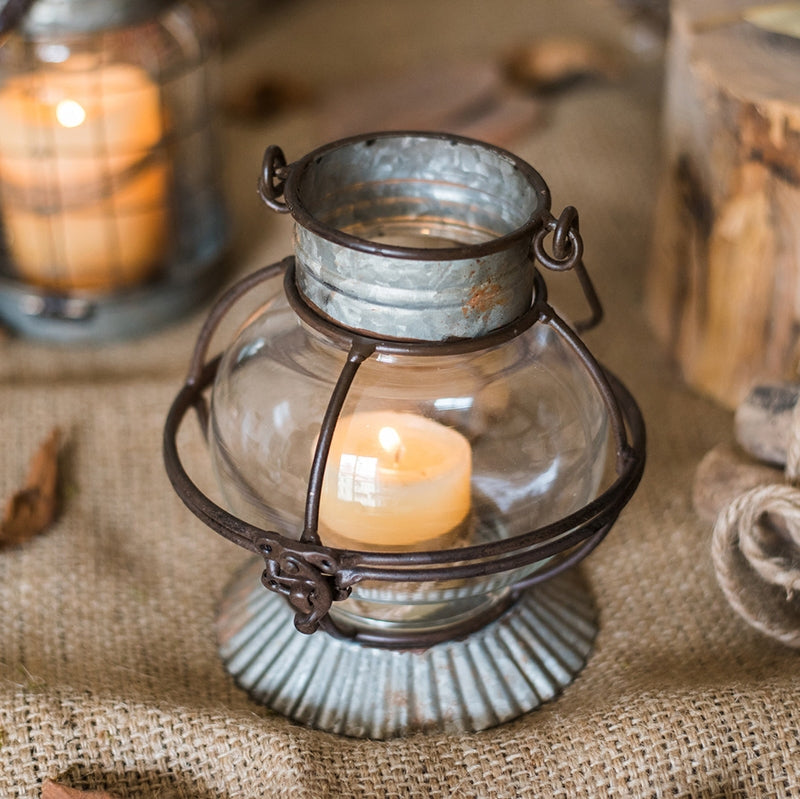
x=723, y=288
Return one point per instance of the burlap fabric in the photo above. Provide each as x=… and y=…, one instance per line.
x=109, y=675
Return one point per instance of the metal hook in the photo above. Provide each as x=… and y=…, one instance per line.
x=272, y=180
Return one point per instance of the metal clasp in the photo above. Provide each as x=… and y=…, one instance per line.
x=306, y=578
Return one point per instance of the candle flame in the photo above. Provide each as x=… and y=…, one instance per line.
x=391, y=442
x=70, y=113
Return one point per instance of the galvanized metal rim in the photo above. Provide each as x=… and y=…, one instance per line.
x=306, y=219
x=344, y=336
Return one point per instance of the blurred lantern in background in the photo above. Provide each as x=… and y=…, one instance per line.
x=110, y=205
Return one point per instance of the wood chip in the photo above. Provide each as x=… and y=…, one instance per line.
x=764, y=420
x=555, y=62
x=466, y=97
x=33, y=508
x=54, y=790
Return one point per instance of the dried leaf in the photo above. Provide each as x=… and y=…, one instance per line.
x=54, y=790
x=554, y=62
x=776, y=18
x=31, y=509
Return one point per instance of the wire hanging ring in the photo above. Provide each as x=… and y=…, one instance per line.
x=567, y=242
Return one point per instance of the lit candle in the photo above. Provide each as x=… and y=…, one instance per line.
x=84, y=197
x=395, y=481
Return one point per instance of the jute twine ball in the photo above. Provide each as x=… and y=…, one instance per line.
x=756, y=551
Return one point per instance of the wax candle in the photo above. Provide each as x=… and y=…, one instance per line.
x=83, y=190
x=395, y=481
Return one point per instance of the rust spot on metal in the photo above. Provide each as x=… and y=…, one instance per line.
x=483, y=298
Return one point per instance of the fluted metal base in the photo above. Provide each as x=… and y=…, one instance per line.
x=508, y=668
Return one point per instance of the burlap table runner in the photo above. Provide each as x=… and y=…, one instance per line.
x=109, y=675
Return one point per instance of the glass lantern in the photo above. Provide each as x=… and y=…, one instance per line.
x=411, y=438
x=111, y=211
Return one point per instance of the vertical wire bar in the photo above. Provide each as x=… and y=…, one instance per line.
x=589, y=291
x=359, y=352
x=164, y=152
x=52, y=202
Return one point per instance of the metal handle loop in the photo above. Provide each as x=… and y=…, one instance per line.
x=568, y=254
x=272, y=180
x=567, y=242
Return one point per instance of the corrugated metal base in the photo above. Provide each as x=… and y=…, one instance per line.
x=500, y=672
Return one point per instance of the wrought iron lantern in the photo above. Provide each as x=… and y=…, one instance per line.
x=111, y=210
x=412, y=441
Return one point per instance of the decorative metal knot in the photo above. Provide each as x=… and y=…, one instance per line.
x=305, y=578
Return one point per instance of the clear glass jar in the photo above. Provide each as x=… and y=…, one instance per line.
x=109, y=168
x=527, y=412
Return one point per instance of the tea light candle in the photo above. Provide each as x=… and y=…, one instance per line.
x=395, y=481
x=84, y=199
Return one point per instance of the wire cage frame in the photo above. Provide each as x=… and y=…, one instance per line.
x=312, y=576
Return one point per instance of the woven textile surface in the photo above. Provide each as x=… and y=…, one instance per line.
x=109, y=673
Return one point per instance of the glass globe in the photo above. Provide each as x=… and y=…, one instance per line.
x=430, y=451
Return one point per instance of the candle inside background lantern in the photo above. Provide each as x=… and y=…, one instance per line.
x=395, y=481
x=83, y=173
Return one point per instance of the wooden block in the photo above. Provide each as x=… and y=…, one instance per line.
x=723, y=289
x=55, y=790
